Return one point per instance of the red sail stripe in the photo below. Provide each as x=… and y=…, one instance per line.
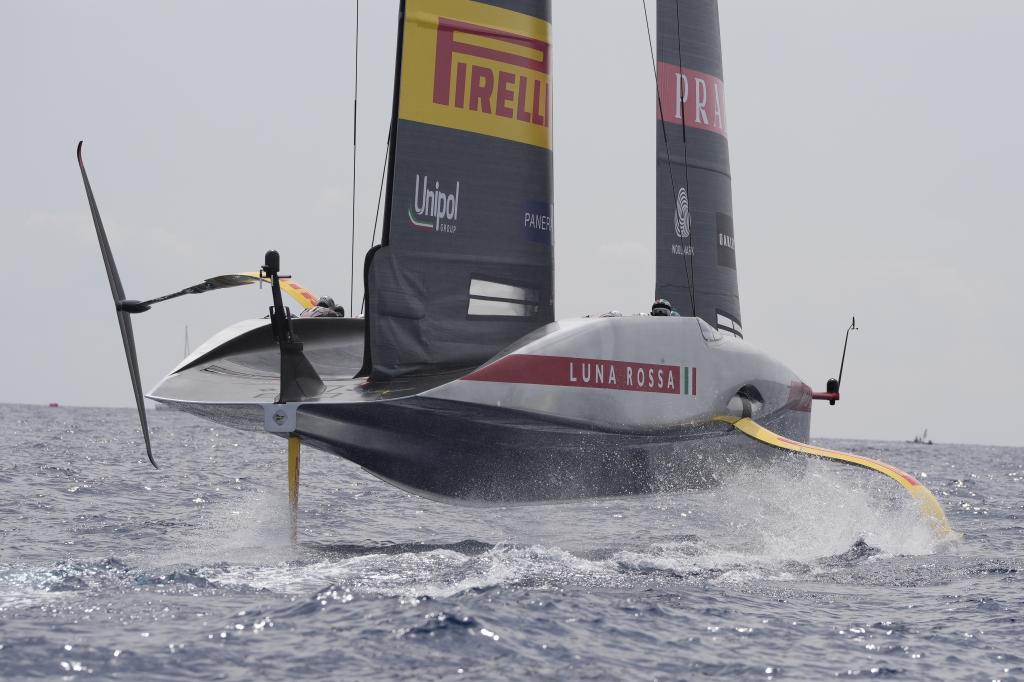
x=691, y=98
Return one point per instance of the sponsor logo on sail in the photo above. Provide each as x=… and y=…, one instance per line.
x=547, y=370
x=726, y=241
x=691, y=98
x=463, y=67
x=681, y=220
x=478, y=68
x=537, y=221
x=682, y=215
x=434, y=209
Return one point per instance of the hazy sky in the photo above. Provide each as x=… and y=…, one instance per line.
x=875, y=147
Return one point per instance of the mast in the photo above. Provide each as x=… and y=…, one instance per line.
x=393, y=133
x=388, y=189
x=696, y=245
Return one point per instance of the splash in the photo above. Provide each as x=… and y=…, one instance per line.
x=821, y=513
x=249, y=529
x=761, y=525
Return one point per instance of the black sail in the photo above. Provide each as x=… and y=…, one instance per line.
x=696, y=246
x=466, y=265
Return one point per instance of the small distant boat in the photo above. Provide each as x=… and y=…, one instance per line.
x=922, y=439
x=54, y=404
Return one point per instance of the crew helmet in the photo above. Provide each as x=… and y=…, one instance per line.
x=661, y=307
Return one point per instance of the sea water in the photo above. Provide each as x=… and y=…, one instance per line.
x=112, y=570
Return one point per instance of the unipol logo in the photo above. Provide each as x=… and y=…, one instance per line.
x=682, y=216
x=495, y=73
x=433, y=209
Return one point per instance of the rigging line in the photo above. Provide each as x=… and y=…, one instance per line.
x=355, y=123
x=380, y=193
x=686, y=165
x=376, y=215
x=668, y=152
x=389, y=161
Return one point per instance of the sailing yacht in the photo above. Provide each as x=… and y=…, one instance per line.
x=921, y=439
x=460, y=383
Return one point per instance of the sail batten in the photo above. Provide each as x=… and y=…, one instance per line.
x=470, y=188
x=695, y=240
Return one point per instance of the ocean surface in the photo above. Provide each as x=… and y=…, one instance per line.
x=112, y=570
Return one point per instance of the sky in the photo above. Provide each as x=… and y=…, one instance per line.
x=875, y=150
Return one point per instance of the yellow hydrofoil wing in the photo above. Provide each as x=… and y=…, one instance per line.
x=930, y=507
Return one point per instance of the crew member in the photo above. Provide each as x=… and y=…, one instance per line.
x=663, y=308
x=324, y=308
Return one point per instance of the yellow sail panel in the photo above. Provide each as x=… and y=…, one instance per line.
x=475, y=67
x=929, y=505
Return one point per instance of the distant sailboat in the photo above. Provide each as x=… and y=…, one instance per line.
x=460, y=384
x=922, y=438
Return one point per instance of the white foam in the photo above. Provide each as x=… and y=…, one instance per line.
x=24, y=587
x=251, y=529
x=766, y=525
x=823, y=513
x=436, y=573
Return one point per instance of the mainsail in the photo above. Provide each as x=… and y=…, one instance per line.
x=465, y=266
x=696, y=247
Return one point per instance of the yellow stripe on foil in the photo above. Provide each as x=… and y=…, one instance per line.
x=294, y=459
x=929, y=505
x=289, y=286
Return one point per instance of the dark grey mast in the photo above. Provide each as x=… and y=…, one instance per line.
x=696, y=246
x=466, y=262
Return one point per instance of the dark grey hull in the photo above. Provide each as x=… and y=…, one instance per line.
x=489, y=456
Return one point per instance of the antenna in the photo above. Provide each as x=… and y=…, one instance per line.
x=853, y=325
x=831, y=392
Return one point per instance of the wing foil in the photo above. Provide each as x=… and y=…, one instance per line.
x=930, y=507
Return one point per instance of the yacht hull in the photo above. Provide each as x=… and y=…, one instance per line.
x=484, y=455
x=561, y=415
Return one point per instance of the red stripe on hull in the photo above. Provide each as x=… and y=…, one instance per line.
x=552, y=370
